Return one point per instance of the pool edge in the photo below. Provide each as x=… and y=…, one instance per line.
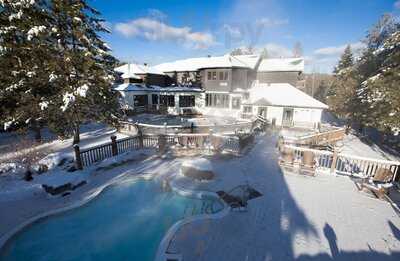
x=161, y=254
x=8, y=236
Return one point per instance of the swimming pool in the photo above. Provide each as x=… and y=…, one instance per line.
x=126, y=221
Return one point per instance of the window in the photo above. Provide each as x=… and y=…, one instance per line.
x=221, y=76
x=219, y=100
x=247, y=109
x=214, y=76
x=186, y=101
x=209, y=76
x=140, y=100
x=236, y=102
x=154, y=99
x=167, y=100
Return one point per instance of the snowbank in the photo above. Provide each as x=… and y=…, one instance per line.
x=198, y=164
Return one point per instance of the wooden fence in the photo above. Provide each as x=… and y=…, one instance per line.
x=337, y=162
x=132, y=128
x=200, y=141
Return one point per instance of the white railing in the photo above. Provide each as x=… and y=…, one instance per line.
x=342, y=163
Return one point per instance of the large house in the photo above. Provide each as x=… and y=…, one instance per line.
x=239, y=86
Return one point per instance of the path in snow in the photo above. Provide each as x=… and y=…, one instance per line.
x=297, y=218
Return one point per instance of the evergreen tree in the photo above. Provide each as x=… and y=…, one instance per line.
x=26, y=52
x=86, y=69
x=380, y=93
x=346, y=61
x=342, y=97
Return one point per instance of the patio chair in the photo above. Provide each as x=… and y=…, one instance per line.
x=308, y=163
x=380, y=183
x=287, y=157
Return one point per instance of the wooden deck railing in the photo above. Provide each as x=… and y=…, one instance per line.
x=200, y=141
x=338, y=162
x=323, y=138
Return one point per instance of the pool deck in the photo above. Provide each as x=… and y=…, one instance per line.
x=297, y=218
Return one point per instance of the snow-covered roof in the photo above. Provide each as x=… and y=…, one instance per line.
x=225, y=61
x=281, y=65
x=282, y=94
x=131, y=70
x=128, y=87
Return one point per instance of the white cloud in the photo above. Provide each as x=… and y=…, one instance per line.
x=397, y=4
x=338, y=50
x=154, y=30
x=268, y=22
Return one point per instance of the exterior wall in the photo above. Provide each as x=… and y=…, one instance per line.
x=306, y=117
x=279, y=77
x=185, y=78
x=216, y=85
x=239, y=79
x=302, y=117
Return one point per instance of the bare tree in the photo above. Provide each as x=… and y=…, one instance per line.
x=297, y=50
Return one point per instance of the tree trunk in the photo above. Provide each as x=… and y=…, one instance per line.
x=36, y=129
x=76, y=134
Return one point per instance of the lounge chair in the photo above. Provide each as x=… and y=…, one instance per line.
x=380, y=183
x=233, y=201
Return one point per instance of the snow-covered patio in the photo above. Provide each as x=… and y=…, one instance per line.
x=298, y=217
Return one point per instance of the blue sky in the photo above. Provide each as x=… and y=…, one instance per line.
x=159, y=31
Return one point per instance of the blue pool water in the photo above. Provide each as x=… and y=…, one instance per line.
x=125, y=222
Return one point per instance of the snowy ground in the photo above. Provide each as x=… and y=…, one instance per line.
x=303, y=218
x=298, y=217
x=91, y=135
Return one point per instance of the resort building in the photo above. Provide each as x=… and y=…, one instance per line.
x=238, y=86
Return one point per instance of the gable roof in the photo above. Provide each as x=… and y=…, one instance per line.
x=225, y=61
x=131, y=70
x=282, y=94
x=281, y=65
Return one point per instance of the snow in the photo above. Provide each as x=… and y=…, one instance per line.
x=8, y=124
x=15, y=16
x=34, y=31
x=199, y=164
x=194, y=64
x=282, y=94
x=281, y=65
x=81, y=91
x=297, y=218
x=52, y=77
x=133, y=69
x=68, y=98
x=43, y=105
x=126, y=87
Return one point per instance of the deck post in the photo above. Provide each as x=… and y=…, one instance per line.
x=78, y=160
x=162, y=144
x=334, y=160
x=140, y=136
x=114, y=149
